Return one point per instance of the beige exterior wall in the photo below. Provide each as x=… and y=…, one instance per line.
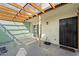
x=52, y=17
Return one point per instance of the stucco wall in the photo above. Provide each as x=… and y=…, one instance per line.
x=52, y=17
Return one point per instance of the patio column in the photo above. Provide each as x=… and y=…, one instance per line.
x=40, y=32
x=78, y=27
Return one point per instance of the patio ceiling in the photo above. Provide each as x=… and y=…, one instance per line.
x=23, y=11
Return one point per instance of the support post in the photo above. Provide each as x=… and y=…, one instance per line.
x=78, y=26
x=40, y=32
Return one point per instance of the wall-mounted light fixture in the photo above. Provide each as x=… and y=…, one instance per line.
x=47, y=23
x=77, y=11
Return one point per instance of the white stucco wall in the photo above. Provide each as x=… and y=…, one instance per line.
x=52, y=29
x=52, y=17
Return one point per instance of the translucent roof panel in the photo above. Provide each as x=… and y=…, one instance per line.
x=32, y=8
x=26, y=12
x=9, y=6
x=22, y=4
x=45, y=6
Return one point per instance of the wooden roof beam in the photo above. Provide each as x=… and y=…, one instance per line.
x=8, y=9
x=57, y=6
x=11, y=17
x=25, y=9
x=12, y=10
x=4, y=12
x=52, y=5
x=37, y=7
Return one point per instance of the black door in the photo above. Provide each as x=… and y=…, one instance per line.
x=68, y=32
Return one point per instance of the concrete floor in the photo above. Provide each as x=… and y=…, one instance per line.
x=33, y=49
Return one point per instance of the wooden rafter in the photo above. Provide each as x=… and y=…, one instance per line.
x=8, y=9
x=25, y=9
x=19, y=12
x=5, y=17
x=4, y=8
x=12, y=10
x=57, y=6
x=9, y=13
x=9, y=19
x=37, y=7
x=52, y=5
x=11, y=16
